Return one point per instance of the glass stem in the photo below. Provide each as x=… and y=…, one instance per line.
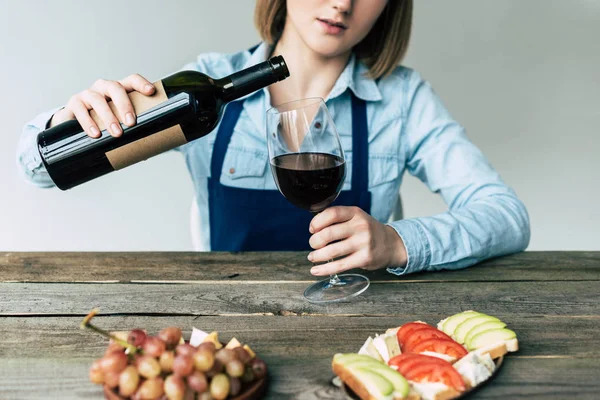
x=334, y=280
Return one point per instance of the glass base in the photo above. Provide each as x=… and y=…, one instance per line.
x=330, y=291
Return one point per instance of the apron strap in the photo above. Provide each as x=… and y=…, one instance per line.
x=360, y=146
x=230, y=118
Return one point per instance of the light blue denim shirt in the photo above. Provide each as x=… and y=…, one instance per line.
x=409, y=130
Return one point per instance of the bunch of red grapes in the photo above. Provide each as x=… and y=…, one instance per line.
x=162, y=367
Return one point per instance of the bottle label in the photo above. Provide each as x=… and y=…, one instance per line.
x=149, y=146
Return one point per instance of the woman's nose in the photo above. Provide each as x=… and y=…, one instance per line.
x=343, y=6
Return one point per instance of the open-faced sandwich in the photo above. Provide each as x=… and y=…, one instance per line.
x=419, y=361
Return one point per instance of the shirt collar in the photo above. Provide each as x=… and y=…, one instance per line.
x=353, y=77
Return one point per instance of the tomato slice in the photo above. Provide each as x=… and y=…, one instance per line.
x=406, y=329
x=443, y=346
x=419, y=335
x=430, y=372
x=405, y=362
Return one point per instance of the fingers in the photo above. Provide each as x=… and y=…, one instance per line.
x=117, y=93
x=330, y=234
x=335, y=267
x=332, y=215
x=82, y=114
x=138, y=83
x=334, y=250
x=96, y=101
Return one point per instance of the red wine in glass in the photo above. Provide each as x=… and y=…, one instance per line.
x=310, y=181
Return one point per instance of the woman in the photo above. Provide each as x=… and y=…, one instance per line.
x=346, y=52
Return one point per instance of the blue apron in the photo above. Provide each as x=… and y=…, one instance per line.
x=263, y=220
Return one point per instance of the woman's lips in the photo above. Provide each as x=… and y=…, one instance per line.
x=331, y=27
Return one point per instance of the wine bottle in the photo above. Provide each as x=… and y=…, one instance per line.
x=186, y=106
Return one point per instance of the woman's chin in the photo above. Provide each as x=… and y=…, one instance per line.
x=329, y=48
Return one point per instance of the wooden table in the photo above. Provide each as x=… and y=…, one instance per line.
x=552, y=301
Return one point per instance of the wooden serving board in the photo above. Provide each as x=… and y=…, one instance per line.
x=350, y=395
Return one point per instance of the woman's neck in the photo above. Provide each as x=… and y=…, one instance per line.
x=311, y=74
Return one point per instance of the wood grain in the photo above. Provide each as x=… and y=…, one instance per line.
x=281, y=266
x=60, y=337
x=549, y=299
x=307, y=379
x=215, y=298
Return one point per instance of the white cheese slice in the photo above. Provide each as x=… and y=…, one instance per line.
x=391, y=331
x=197, y=337
x=387, y=346
x=369, y=349
x=475, y=368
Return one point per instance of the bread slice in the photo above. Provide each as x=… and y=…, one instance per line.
x=497, y=350
x=355, y=384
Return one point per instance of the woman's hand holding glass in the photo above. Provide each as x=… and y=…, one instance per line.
x=355, y=240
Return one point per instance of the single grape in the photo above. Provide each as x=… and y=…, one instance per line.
x=154, y=346
x=208, y=346
x=259, y=368
x=205, y=396
x=219, y=387
x=136, y=337
x=217, y=368
x=171, y=336
x=224, y=355
x=235, y=368
x=174, y=387
x=197, y=382
x=151, y=389
x=128, y=381
x=114, y=362
x=166, y=361
x=203, y=360
x=113, y=348
x=235, y=386
x=242, y=355
x=185, y=350
x=183, y=365
x=148, y=366
x=111, y=379
x=96, y=373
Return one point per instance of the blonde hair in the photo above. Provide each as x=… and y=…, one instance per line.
x=381, y=50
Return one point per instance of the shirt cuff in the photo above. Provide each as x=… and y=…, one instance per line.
x=415, y=241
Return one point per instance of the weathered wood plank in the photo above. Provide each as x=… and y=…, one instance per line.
x=60, y=337
x=282, y=266
x=309, y=379
x=216, y=298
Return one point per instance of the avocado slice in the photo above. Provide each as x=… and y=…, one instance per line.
x=486, y=326
x=452, y=322
x=394, y=377
x=376, y=384
x=464, y=327
x=348, y=358
x=490, y=337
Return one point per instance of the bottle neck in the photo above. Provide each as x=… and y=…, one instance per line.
x=252, y=79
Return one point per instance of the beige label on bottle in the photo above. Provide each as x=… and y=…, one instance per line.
x=149, y=146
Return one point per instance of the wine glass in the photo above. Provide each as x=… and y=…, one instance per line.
x=308, y=165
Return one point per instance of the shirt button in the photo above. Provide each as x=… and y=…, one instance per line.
x=232, y=171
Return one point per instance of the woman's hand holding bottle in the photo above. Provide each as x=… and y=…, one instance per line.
x=97, y=97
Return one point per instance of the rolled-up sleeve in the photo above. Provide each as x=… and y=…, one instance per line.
x=485, y=218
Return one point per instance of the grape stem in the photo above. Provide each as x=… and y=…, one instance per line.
x=86, y=323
